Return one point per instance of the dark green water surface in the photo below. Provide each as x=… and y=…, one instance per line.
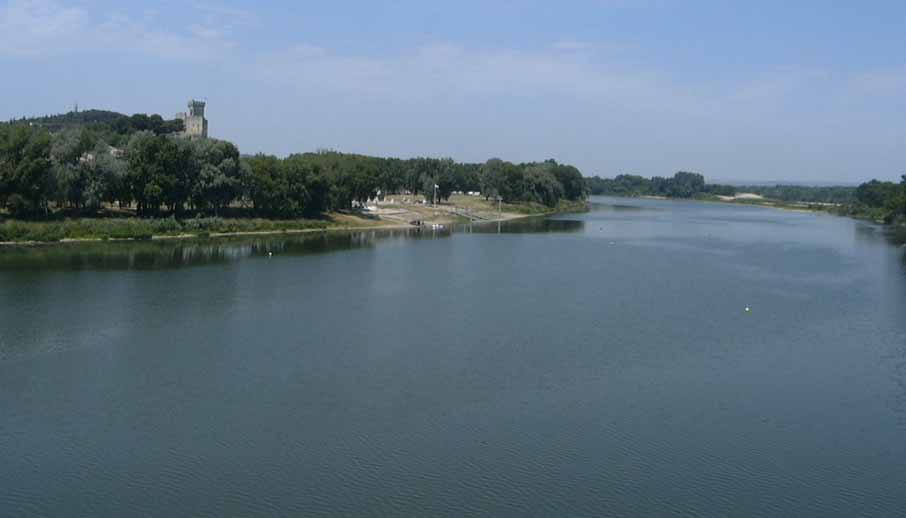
x=599, y=364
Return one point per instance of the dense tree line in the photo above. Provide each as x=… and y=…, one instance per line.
x=884, y=201
x=804, y=193
x=682, y=185
x=76, y=169
x=153, y=172
x=311, y=183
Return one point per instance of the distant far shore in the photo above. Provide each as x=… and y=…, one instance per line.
x=880, y=202
x=752, y=199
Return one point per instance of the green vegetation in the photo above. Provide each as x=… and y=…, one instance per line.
x=803, y=193
x=681, y=185
x=111, y=127
x=98, y=165
x=313, y=183
x=879, y=201
x=138, y=228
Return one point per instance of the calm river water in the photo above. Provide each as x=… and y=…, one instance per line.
x=600, y=364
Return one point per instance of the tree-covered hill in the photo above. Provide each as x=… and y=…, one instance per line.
x=75, y=118
x=112, y=126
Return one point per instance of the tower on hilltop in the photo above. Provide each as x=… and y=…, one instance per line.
x=194, y=122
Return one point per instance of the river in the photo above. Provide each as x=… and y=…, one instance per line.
x=598, y=364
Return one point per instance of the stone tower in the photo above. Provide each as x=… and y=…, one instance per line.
x=195, y=123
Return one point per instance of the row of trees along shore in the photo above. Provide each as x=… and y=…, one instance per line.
x=83, y=162
x=682, y=185
x=876, y=200
x=879, y=201
x=52, y=165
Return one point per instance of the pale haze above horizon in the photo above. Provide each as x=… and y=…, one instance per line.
x=809, y=91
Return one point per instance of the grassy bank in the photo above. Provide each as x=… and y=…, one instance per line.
x=874, y=214
x=134, y=228
x=478, y=203
x=15, y=231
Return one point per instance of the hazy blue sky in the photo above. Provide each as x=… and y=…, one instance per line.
x=756, y=90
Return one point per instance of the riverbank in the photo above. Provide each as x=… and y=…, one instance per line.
x=385, y=215
x=876, y=216
x=746, y=199
x=761, y=201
